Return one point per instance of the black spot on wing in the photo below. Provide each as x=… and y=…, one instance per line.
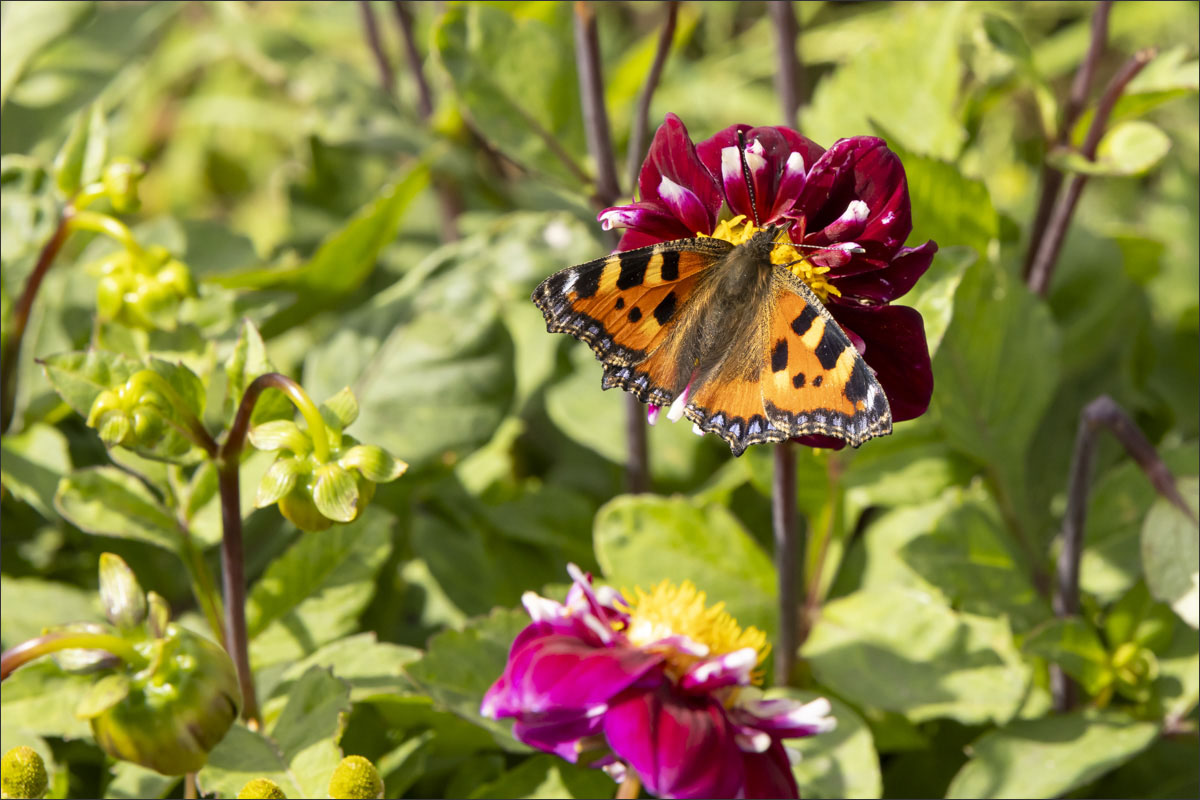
x=635, y=314
x=620, y=303
x=779, y=356
x=633, y=269
x=818, y=380
x=802, y=323
x=587, y=282
x=833, y=342
x=859, y=382
x=666, y=307
x=670, y=266
x=798, y=380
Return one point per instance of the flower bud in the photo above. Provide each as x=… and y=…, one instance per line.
x=23, y=773
x=169, y=715
x=120, y=179
x=354, y=778
x=263, y=788
x=123, y=599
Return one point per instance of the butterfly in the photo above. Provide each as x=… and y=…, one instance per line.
x=737, y=343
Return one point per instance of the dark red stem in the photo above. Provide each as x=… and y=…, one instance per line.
x=788, y=75
x=783, y=522
x=641, y=115
x=387, y=78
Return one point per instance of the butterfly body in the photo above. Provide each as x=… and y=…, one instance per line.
x=738, y=344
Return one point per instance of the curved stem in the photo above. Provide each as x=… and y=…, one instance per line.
x=109, y=226
x=70, y=640
x=231, y=449
x=88, y=195
x=193, y=429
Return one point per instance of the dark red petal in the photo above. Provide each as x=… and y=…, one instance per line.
x=896, y=349
x=859, y=168
x=778, y=144
x=557, y=733
x=817, y=440
x=769, y=774
x=561, y=673
x=679, y=746
x=673, y=156
x=651, y=220
x=891, y=282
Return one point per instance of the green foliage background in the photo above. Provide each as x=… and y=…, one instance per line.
x=311, y=202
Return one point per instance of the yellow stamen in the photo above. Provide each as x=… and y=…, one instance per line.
x=668, y=610
x=739, y=230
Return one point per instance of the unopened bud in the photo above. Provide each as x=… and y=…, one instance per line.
x=23, y=773
x=121, y=178
x=122, y=597
x=355, y=778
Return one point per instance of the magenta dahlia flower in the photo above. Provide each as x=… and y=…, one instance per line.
x=851, y=200
x=661, y=685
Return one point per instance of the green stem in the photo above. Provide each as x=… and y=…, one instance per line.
x=234, y=442
x=70, y=640
x=203, y=586
x=192, y=429
x=109, y=226
x=88, y=195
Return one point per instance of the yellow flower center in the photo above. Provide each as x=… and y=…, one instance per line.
x=668, y=611
x=739, y=230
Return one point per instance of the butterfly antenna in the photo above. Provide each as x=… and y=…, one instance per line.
x=746, y=175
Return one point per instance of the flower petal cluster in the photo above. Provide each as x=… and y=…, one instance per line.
x=313, y=492
x=850, y=200
x=662, y=685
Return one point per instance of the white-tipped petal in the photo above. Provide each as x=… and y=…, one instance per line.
x=541, y=608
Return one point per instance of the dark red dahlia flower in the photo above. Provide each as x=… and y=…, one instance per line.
x=662, y=685
x=851, y=200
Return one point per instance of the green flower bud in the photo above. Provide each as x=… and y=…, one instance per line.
x=264, y=788
x=355, y=778
x=158, y=615
x=373, y=462
x=120, y=180
x=298, y=508
x=110, y=296
x=176, y=277
x=114, y=428
x=123, y=599
x=279, y=479
x=336, y=493
x=1135, y=669
x=169, y=715
x=23, y=773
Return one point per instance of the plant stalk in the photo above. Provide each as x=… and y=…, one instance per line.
x=1103, y=413
x=789, y=73
x=233, y=582
x=783, y=522
x=387, y=78
x=1042, y=269
x=641, y=116
x=25, y=652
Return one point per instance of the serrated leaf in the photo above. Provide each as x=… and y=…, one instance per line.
x=1171, y=552
x=902, y=650
x=81, y=159
x=34, y=461
x=840, y=763
x=314, y=592
x=248, y=360
x=370, y=667
x=109, y=502
x=548, y=777
x=641, y=540
x=459, y=666
x=1076, y=647
x=299, y=752
x=1050, y=756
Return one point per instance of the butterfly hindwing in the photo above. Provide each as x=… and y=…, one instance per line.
x=624, y=305
x=814, y=380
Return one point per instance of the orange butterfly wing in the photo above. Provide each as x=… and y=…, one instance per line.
x=626, y=305
x=810, y=379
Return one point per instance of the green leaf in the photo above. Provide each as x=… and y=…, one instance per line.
x=901, y=650
x=28, y=29
x=933, y=295
x=29, y=605
x=1006, y=38
x=460, y=665
x=1050, y=756
x=1178, y=684
x=314, y=592
x=641, y=540
x=299, y=752
x=1076, y=647
x=1117, y=507
x=1133, y=147
x=81, y=159
x=248, y=360
x=546, y=776
x=107, y=501
x=34, y=461
x=41, y=698
x=841, y=763
x=527, y=107
x=921, y=48
x=371, y=668
x=131, y=781
x=1171, y=552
